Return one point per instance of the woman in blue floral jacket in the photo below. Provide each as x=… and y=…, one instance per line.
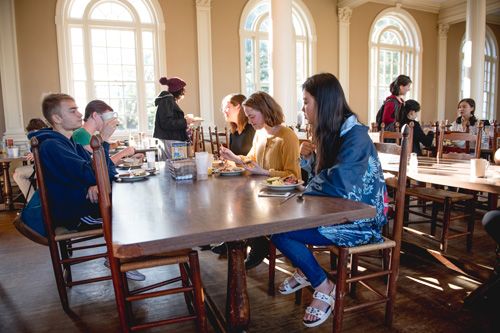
x=341, y=162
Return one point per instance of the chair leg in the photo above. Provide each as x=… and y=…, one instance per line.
x=272, y=269
x=185, y=283
x=446, y=224
x=59, y=276
x=121, y=290
x=298, y=297
x=201, y=317
x=340, y=290
x=391, y=286
x=435, y=208
x=354, y=271
x=68, y=278
x=470, y=225
x=333, y=261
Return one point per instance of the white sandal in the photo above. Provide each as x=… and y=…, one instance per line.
x=320, y=314
x=301, y=281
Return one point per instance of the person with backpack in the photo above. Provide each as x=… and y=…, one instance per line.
x=389, y=112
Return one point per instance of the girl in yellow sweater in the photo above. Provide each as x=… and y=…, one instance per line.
x=274, y=153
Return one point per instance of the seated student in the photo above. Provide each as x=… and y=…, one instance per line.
x=94, y=121
x=344, y=164
x=274, y=153
x=67, y=166
x=23, y=174
x=409, y=114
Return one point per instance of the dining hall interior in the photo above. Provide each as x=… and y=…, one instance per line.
x=117, y=51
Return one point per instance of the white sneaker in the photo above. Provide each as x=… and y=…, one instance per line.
x=131, y=275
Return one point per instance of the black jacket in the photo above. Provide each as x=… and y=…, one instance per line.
x=169, y=122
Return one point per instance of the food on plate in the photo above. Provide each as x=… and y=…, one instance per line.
x=288, y=180
x=134, y=173
x=227, y=166
x=131, y=162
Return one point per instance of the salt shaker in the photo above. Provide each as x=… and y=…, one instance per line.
x=413, y=162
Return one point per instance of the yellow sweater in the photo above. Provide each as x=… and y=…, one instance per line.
x=277, y=153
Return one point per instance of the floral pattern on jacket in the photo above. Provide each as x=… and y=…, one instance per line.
x=357, y=176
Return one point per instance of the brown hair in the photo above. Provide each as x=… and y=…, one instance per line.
x=265, y=104
x=51, y=105
x=35, y=124
x=96, y=106
x=237, y=99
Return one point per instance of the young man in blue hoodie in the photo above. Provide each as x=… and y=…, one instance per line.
x=69, y=176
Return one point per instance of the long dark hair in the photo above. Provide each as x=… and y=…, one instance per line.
x=332, y=111
x=410, y=105
x=401, y=80
x=472, y=103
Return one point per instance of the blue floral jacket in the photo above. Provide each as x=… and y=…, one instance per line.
x=357, y=175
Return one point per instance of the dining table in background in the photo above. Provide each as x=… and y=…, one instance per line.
x=161, y=214
x=5, y=161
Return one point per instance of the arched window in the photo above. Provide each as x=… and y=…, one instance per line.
x=395, y=48
x=112, y=50
x=255, y=27
x=490, y=74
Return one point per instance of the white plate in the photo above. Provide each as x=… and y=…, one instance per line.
x=129, y=179
x=123, y=166
x=235, y=172
x=286, y=187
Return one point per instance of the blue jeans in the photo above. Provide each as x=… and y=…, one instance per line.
x=293, y=245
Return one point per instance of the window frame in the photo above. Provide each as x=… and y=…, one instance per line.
x=64, y=23
x=493, y=59
x=413, y=50
x=302, y=14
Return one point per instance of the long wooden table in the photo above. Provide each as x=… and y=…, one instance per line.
x=160, y=214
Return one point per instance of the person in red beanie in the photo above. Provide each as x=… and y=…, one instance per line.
x=170, y=122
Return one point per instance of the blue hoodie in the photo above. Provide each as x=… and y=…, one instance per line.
x=68, y=175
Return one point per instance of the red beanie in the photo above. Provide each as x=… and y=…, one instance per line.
x=174, y=84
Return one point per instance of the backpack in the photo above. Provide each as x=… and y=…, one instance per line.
x=380, y=112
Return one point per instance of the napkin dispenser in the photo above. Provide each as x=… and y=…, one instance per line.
x=182, y=169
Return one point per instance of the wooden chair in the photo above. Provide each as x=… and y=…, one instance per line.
x=216, y=139
x=390, y=247
x=373, y=127
x=198, y=139
x=461, y=136
x=447, y=199
x=494, y=139
x=392, y=135
x=62, y=242
x=187, y=260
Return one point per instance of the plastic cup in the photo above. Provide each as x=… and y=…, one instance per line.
x=202, y=160
x=151, y=159
x=13, y=152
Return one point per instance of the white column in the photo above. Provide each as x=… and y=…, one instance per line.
x=344, y=14
x=474, y=57
x=441, y=77
x=204, y=33
x=9, y=71
x=283, y=58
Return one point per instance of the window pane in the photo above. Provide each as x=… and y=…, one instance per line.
x=128, y=56
x=77, y=56
x=147, y=39
x=148, y=57
x=102, y=91
x=99, y=55
x=111, y=11
x=143, y=11
x=113, y=38
x=264, y=62
x=255, y=14
x=149, y=74
x=80, y=91
x=77, y=8
x=264, y=26
x=76, y=37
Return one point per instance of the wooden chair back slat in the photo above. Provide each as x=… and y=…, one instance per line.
x=460, y=136
x=216, y=139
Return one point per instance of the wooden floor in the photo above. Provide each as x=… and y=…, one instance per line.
x=429, y=295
